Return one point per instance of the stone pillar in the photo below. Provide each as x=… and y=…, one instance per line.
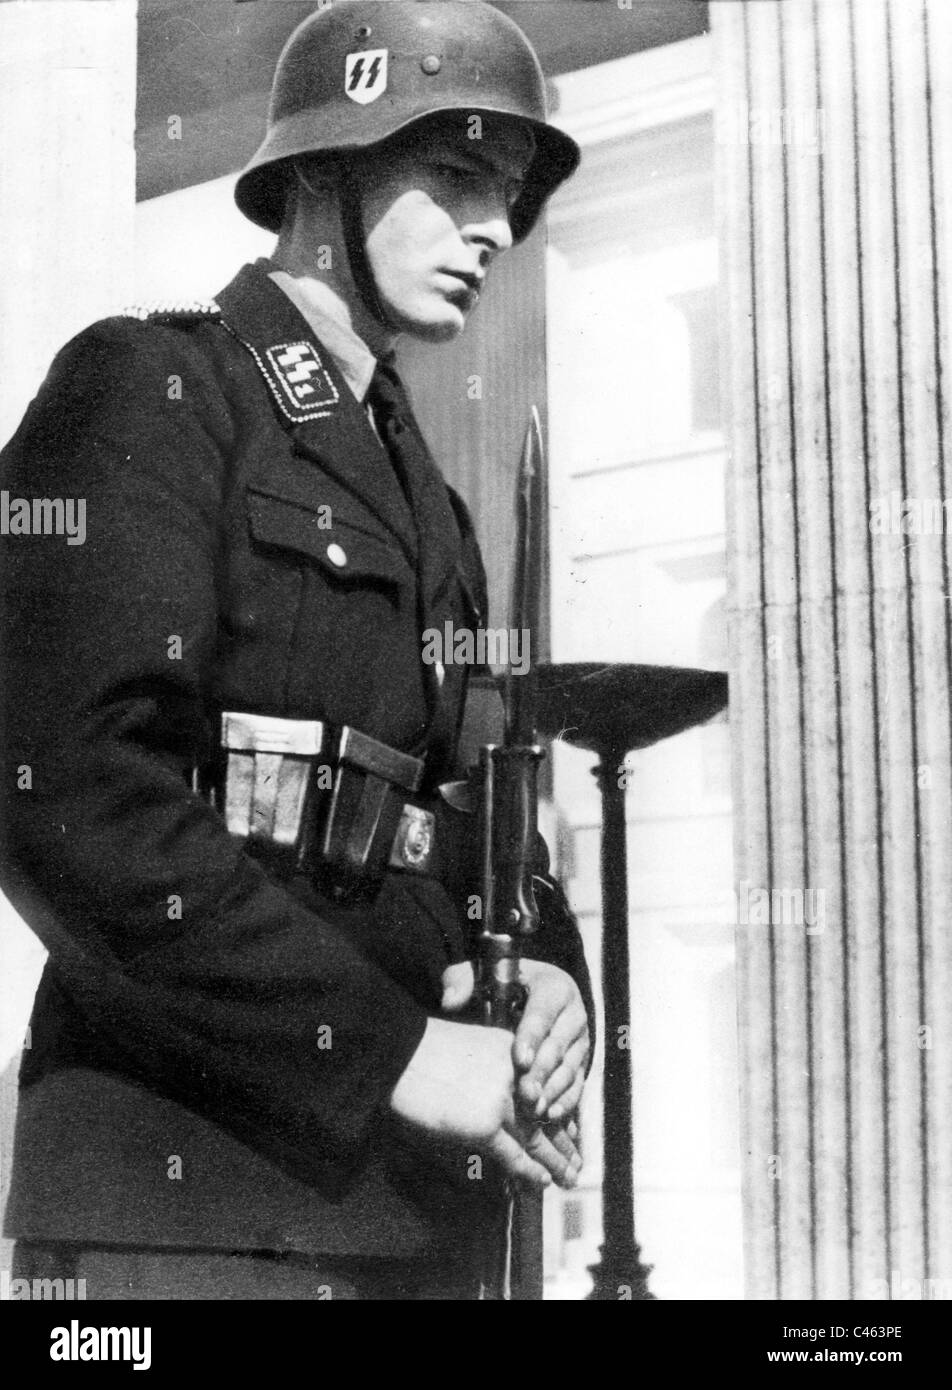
x=835, y=178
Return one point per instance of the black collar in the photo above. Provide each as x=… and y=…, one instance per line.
x=326, y=423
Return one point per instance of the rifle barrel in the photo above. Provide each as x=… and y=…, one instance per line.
x=512, y=1255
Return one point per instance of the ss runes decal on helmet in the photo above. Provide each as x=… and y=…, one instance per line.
x=365, y=75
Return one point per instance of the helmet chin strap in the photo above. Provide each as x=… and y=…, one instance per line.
x=355, y=242
x=355, y=239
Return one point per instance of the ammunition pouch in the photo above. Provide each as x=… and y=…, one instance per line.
x=332, y=803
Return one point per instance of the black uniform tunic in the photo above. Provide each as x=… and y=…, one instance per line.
x=207, y=583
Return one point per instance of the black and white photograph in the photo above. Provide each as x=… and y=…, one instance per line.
x=476, y=661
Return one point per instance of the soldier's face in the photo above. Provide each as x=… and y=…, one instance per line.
x=437, y=212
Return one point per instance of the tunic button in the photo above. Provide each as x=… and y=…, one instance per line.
x=337, y=555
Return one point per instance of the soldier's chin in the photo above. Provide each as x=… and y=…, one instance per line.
x=438, y=323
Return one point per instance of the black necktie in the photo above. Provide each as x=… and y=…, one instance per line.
x=423, y=484
x=395, y=426
x=439, y=540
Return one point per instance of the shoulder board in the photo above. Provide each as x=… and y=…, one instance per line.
x=173, y=309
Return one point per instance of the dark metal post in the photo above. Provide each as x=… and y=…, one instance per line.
x=613, y=710
x=619, y=1272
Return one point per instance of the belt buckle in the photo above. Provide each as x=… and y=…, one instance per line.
x=414, y=840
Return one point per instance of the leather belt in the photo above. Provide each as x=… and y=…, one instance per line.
x=334, y=803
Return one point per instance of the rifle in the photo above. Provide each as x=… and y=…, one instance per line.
x=512, y=1249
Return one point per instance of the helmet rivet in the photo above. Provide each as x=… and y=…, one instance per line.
x=431, y=65
x=364, y=32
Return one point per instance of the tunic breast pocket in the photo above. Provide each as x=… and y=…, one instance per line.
x=355, y=642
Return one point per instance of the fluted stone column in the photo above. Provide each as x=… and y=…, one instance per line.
x=835, y=178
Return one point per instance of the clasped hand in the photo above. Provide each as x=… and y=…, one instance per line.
x=512, y=1097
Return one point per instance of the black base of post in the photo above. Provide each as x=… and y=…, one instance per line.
x=620, y=1279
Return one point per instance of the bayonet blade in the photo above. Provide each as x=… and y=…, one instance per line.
x=527, y=585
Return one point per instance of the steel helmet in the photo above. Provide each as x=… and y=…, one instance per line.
x=356, y=73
